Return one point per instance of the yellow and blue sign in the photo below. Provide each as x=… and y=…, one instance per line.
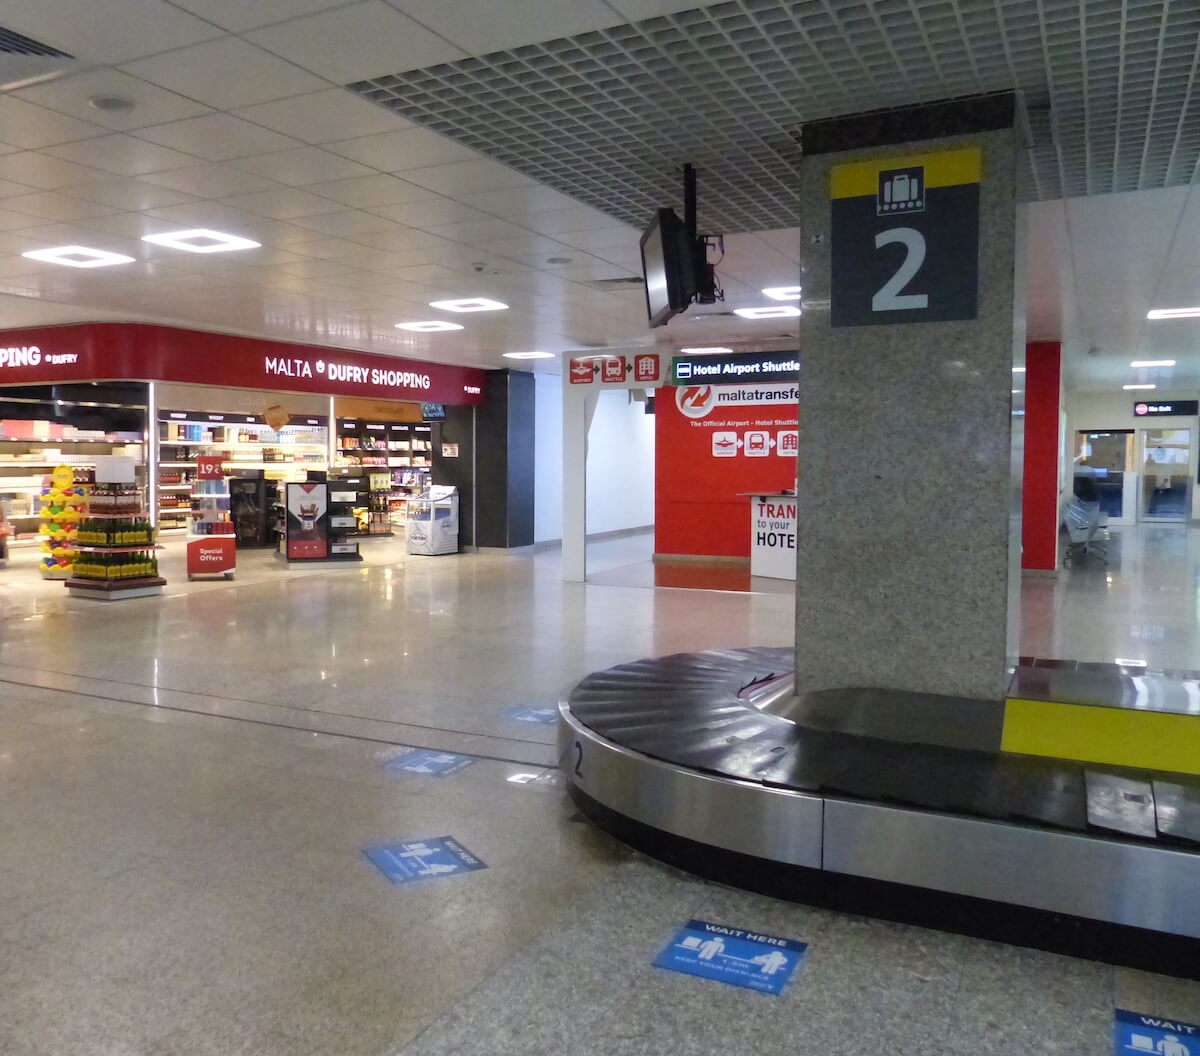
x=731, y=955
x=433, y=858
x=904, y=239
x=429, y=762
x=1136, y=1034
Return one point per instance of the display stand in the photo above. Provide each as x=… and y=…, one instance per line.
x=319, y=525
x=115, y=557
x=433, y=521
x=60, y=501
x=211, y=550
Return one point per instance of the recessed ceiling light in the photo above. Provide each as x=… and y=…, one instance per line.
x=1018, y=370
x=783, y=293
x=201, y=240
x=78, y=257
x=1130, y=388
x=528, y=355
x=469, y=304
x=705, y=351
x=112, y=104
x=779, y=311
x=1153, y=363
x=1173, y=313
x=560, y=260
x=431, y=326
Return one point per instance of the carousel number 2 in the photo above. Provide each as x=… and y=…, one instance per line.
x=889, y=298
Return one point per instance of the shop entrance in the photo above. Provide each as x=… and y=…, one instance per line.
x=1166, y=479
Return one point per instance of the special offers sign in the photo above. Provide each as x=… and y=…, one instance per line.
x=144, y=352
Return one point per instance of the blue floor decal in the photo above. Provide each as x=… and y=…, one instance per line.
x=429, y=859
x=535, y=715
x=1154, y=1036
x=428, y=761
x=730, y=955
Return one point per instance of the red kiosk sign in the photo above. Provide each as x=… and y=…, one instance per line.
x=147, y=352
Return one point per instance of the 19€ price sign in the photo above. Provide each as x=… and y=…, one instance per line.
x=905, y=239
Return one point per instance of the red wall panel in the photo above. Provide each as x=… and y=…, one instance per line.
x=1039, y=502
x=699, y=505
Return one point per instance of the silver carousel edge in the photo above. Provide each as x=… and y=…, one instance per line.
x=1110, y=880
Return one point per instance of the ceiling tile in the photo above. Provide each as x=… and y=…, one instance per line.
x=303, y=165
x=225, y=74
x=431, y=213
x=122, y=154
x=635, y=10
x=411, y=148
x=47, y=173
x=240, y=15
x=217, y=137
x=8, y=188
x=152, y=105
x=523, y=22
x=606, y=238
x=368, y=191
x=15, y=221
x=211, y=181
x=476, y=232
x=463, y=177
x=219, y=216
x=331, y=248
x=578, y=218
x=23, y=124
x=356, y=42
x=519, y=201
x=51, y=205
x=349, y=223
x=322, y=117
x=284, y=204
x=107, y=33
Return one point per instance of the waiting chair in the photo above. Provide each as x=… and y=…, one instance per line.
x=1087, y=530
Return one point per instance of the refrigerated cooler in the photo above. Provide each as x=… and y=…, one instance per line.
x=433, y=521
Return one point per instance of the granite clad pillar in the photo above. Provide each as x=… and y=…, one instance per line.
x=905, y=486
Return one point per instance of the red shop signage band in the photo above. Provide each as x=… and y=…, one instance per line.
x=146, y=352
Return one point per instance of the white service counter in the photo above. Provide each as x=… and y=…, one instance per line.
x=773, y=536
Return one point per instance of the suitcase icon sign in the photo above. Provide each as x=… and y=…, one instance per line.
x=901, y=190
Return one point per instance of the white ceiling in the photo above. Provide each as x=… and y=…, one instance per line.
x=1098, y=265
x=241, y=124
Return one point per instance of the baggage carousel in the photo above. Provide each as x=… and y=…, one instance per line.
x=896, y=805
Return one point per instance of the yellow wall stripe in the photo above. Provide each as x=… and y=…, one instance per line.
x=946, y=168
x=1151, y=740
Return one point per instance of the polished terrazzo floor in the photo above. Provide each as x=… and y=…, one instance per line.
x=187, y=784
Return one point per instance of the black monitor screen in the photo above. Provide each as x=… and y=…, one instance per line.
x=433, y=412
x=667, y=268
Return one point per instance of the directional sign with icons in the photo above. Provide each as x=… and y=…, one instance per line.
x=905, y=239
x=754, y=443
x=644, y=368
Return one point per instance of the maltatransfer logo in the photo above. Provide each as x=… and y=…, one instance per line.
x=695, y=401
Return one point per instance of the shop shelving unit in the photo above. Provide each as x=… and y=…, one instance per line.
x=118, y=559
x=250, y=445
x=26, y=461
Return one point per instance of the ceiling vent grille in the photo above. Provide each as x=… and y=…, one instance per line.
x=13, y=43
x=608, y=117
x=25, y=61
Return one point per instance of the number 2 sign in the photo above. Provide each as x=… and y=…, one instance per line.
x=905, y=239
